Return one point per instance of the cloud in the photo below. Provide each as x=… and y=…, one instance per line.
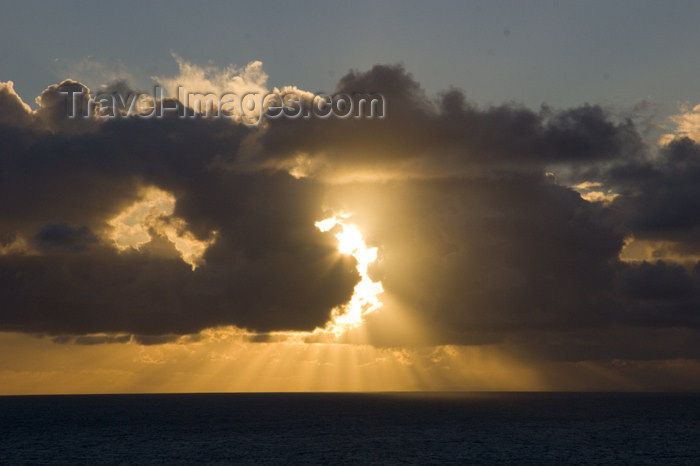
x=14, y=111
x=483, y=234
x=249, y=79
x=687, y=125
x=63, y=237
x=269, y=268
x=421, y=137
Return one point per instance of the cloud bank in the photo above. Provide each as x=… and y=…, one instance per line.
x=560, y=233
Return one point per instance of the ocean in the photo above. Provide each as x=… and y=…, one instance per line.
x=339, y=428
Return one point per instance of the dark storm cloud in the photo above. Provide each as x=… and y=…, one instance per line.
x=495, y=255
x=269, y=268
x=479, y=243
x=62, y=237
x=661, y=194
x=450, y=134
x=489, y=248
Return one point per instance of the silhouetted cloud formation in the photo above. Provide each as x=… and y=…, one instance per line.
x=60, y=188
x=483, y=237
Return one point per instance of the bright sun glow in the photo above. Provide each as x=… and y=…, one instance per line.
x=365, y=299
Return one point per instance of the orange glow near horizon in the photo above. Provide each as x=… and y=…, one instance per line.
x=218, y=364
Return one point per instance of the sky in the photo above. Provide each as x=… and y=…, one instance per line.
x=523, y=216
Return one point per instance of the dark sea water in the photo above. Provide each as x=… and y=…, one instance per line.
x=481, y=428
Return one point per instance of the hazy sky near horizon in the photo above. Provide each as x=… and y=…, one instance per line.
x=525, y=217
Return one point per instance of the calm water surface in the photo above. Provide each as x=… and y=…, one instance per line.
x=482, y=428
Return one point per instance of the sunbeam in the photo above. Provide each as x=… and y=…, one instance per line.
x=365, y=298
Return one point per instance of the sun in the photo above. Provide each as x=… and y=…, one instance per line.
x=365, y=297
